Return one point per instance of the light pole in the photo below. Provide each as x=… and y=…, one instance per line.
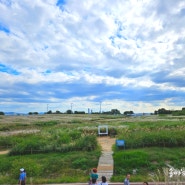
x=71, y=107
x=100, y=107
x=47, y=107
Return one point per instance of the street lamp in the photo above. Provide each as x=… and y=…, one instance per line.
x=71, y=107
x=47, y=107
x=100, y=107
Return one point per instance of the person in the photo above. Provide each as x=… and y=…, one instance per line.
x=103, y=181
x=93, y=182
x=127, y=179
x=145, y=183
x=93, y=175
x=22, y=177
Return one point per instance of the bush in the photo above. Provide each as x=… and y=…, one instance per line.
x=28, y=146
x=135, y=159
x=87, y=143
x=160, y=138
x=47, y=123
x=80, y=163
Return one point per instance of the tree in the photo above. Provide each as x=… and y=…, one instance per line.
x=58, y=112
x=2, y=113
x=79, y=112
x=164, y=111
x=49, y=112
x=69, y=112
x=115, y=111
x=128, y=112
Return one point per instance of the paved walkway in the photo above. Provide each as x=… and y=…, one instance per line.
x=106, y=163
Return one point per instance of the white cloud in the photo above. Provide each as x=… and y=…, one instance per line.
x=119, y=48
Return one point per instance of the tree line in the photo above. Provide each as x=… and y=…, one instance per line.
x=172, y=112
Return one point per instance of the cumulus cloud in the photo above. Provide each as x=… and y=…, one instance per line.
x=127, y=53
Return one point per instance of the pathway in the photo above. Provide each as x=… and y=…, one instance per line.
x=4, y=152
x=106, y=163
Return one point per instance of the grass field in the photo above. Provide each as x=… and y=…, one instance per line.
x=58, y=148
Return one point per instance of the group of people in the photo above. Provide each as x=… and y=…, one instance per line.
x=22, y=177
x=127, y=180
x=92, y=181
x=94, y=177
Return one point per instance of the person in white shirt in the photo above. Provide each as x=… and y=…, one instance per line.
x=104, y=181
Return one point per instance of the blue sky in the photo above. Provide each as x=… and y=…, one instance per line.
x=65, y=54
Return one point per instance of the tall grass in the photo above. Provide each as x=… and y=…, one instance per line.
x=65, y=148
x=169, y=175
x=50, y=168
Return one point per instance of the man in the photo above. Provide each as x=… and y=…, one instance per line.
x=126, y=181
x=22, y=177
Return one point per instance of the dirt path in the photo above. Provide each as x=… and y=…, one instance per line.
x=106, y=143
x=4, y=152
x=106, y=163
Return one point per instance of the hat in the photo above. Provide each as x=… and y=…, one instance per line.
x=22, y=169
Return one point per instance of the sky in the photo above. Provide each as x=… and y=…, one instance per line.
x=92, y=55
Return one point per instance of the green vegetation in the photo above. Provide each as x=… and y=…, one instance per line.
x=50, y=168
x=58, y=148
x=163, y=111
x=150, y=146
x=146, y=161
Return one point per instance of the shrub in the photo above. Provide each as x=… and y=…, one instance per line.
x=135, y=159
x=47, y=123
x=161, y=138
x=80, y=163
x=28, y=146
x=87, y=143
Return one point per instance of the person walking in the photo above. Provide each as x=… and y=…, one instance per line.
x=103, y=181
x=22, y=177
x=127, y=179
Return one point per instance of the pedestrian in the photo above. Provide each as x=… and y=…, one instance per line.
x=145, y=183
x=93, y=175
x=103, y=181
x=94, y=182
x=127, y=179
x=22, y=177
